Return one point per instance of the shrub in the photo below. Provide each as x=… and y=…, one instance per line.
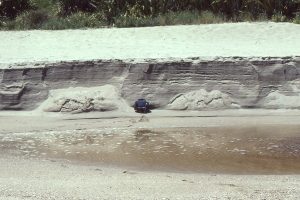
x=208, y=17
x=183, y=17
x=261, y=17
x=296, y=20
x=11, y=25
x=189, y=17
x=171, y=18
x=75, y=21
x=278, y=17
x=134, y=21
x=55, y=23
x=243, y=17
x=87, y=20
x=31, y=20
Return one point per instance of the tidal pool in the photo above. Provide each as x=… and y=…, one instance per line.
x=238, y=150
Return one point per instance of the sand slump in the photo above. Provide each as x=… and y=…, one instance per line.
x=264, y=149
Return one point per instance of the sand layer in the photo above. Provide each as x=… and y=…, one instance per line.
x=225, y=40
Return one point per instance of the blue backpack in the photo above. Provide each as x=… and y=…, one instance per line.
x=140, y=103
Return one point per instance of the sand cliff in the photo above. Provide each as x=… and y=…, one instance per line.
x=209, y=84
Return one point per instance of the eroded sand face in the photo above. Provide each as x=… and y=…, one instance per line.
x=249, y=149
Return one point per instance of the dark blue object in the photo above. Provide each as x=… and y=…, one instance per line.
x=141, y=105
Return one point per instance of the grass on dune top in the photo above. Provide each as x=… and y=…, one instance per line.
x=42, y=20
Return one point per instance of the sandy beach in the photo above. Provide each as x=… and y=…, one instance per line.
x=30, y=174
x=225, y=123
x=44, y=179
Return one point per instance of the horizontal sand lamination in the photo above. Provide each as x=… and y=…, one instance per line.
x=177, y=85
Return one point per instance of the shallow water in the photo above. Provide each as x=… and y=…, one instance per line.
x=250, y=150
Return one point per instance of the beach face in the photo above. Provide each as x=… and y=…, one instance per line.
x=259, y=149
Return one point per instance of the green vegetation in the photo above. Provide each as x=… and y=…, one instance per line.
x=65, y=14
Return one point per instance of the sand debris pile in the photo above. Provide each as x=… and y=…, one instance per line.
x=80, y=99
x=201, y=99
x=276, y=100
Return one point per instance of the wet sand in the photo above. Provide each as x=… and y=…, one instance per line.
x=150, y=157
x=236, y=150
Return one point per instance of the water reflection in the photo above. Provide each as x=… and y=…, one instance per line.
x=268, y=149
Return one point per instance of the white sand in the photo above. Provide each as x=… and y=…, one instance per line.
x=224, y=40
x=44, y=179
